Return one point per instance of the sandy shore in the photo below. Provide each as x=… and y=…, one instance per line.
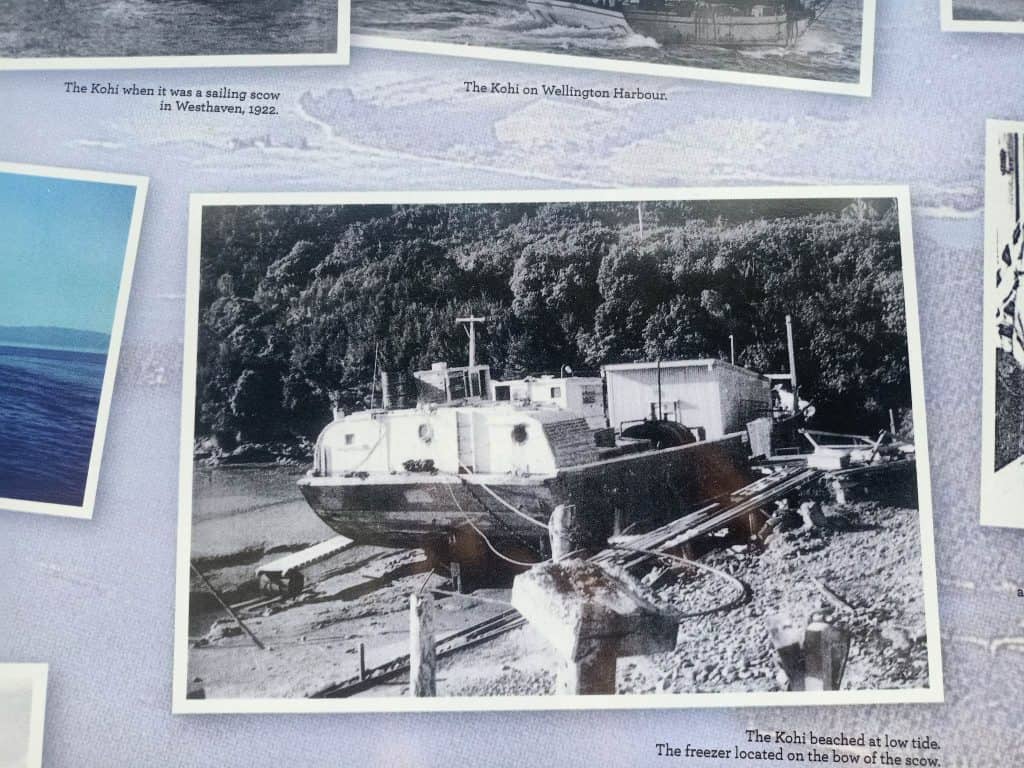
x=361, y=596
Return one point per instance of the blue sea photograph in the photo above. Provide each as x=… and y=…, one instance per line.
x=62, y=258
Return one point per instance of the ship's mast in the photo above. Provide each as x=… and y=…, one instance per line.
x=470, y=324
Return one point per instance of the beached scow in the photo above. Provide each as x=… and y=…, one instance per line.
x=22, y=715
x=93, y=34
x=983, y=15
x=1002, y=468
x=818, y=45
x=67, y=255
x=549, y=450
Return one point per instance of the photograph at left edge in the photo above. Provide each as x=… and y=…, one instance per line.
x=22, y=714
x=118, y=34
x=68, y=255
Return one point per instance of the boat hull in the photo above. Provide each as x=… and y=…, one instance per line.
x=572, y=14
x=673, y=29
x=726, y=31
x=639, y=491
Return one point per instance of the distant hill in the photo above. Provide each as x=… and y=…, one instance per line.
x=49, y=336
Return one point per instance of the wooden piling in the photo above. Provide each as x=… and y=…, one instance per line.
x=825, y=650
x=563, y=531
x=814, y=659
x=422, y=646
x=362, y=661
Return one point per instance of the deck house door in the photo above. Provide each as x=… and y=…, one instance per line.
x=464, y=432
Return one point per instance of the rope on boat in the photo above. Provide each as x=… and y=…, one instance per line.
x=742, y=589
x=819, y=12
x=483, y=536
x=504, y=503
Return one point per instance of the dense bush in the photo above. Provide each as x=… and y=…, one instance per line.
x=300, y=305
x=1009, y=409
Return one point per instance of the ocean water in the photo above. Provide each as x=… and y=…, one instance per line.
x=988, y=10
x=77, y=28
x=49, y=400
x=829, y=51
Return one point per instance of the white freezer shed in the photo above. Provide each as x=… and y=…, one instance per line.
x=711, y=394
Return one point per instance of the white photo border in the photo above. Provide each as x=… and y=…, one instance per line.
x=141, y=185
x=37, y=675
x=181, y=704
x=490, y=53
x=949, y=24
x=340, y=57
x=1001, y=490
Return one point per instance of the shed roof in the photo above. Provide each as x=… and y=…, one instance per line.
x=709, y=363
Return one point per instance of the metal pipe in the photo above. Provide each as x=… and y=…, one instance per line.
x=792, y=362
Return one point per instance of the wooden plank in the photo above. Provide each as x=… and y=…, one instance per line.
x=422, y=646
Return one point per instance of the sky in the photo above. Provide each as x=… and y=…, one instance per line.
x=62, y=247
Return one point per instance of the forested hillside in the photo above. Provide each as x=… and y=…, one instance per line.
x=296, y=300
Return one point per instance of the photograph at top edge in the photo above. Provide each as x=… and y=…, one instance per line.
x=983, y=16
x=76, y=34
x=72, y=235
x=813, y=44
x=446, y=450
x=1002, y=470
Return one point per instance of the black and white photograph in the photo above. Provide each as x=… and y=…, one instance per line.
x=22, y=715
x=1002, y=471
x=814, y=45
x=92, y=34
x=983, y=15
x=552, y=450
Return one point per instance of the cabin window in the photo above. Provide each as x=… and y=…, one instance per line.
x=503, y=392
x=426, y=433
x=350, y=439
x=556, y=392
x=589, y=396
x=519, y=434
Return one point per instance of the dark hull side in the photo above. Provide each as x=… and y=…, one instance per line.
x=729, y=31
x=638, y=492
x=674, y=29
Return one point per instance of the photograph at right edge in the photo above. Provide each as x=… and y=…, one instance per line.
x=1002, y=471
x=983, y=15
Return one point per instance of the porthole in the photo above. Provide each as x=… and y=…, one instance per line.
x=519, y=434
x=426, y=433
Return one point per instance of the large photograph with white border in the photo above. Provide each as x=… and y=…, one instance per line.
x=605, y=449
x=825, y=46
x=150, y=34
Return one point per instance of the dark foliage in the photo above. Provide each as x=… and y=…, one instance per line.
x=300, y=305
x=1009, y=409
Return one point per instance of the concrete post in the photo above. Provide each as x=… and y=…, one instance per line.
x=422, y=650
x=594, y=673
x=592, y=617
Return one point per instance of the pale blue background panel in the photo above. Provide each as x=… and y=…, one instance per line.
x=96, y=599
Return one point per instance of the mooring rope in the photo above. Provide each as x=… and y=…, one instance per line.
x=483, y=536
x=742, y=588
x=504, y=503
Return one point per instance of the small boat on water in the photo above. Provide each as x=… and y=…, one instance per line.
x=728, y=23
